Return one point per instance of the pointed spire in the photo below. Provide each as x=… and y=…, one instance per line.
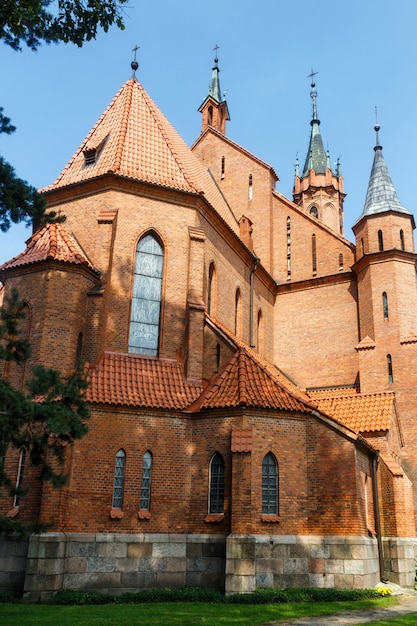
x=316, y=156
x=214, y=90
x=381, y=195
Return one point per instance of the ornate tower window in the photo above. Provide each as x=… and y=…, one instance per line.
x=216, y=488
x=119, y=479
x=269, y=485
x=147, y=296
x=314, y=212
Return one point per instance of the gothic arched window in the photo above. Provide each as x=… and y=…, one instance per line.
x=211, y=289
x=216, y=487
x=145, y=492
x=269, y=485
x=119, y=479
x=390, y=371
x=314, y=212
x=380, y=241
x=238, y=313
x=147, y=296
x=402, y=239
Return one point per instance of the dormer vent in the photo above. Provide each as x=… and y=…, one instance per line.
x=92, y=151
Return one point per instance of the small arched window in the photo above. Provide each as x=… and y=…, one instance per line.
x=145, y=491
x=390, y=370
x=238, y=313
x=385, y=305
x=19, y=478
x=216, y=487
x=402, y=239
x=260, y=333
x=314, y=212
x=119, y=479
x=270, y=485
x=250, y=192
x=314, y=254
x=340, y=261
x=147, y=297
x=380, y=241
x=211, y=289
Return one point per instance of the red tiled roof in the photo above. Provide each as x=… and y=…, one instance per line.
x=244, y=381
x=52, y=242
x=136, y=380
x=134, y=139
x=336, y=392
x=242, y=440
x=360, y=412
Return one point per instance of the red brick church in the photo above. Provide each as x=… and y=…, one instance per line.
x=252, y=372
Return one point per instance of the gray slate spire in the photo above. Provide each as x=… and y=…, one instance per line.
x=214, y=89
x=316, y=158
x=381, y=195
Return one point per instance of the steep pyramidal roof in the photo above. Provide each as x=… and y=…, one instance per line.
x=381, y=195
x=133, y=139
x=316, y=158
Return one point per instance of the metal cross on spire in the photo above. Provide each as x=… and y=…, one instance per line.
x=313, y=93
x=216, y=47
x=134, y=65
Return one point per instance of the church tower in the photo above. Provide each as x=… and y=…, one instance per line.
x=319, y=190
x=214, y=109
x=387, y=298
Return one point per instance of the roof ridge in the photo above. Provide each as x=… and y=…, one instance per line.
x=123, y=130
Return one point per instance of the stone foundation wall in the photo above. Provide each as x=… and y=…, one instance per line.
x=118, y=563
x=13, y=558
x=254, y=561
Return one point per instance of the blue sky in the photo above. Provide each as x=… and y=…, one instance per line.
x=364, y=53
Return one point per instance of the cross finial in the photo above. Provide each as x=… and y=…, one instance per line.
x=313, y=93
x=134, y=65
x=312, y=75
x=216, y=47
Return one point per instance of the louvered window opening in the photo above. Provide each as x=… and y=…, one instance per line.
x=147, y=295
x=119, y=479
x=145, y=492
x=269, y=485
x=216, y=495
x=90, y=157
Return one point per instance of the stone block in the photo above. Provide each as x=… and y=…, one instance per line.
x=139, y=550
x=115, y=549
x=316, y=566
x=75, y=565
x=264, y=581
x=340, y=551
x=272, y=566
x=83, y=548
x=138, y=580
x=280, y=550
x=152, y=565
x=214, y=550
x=298, y=551
x=100, y=564
x=344, y=581
x=354, y=567
x=194, y=550
x=295, y=566
x=291, y=580
x=239, y=584
x=170, y=579
x=92, y=580
x=176, y=564
x=322, y=580
x=240, y=567
x=169, y=549
x=319, y=551
x=334, y=566
x=55, y=550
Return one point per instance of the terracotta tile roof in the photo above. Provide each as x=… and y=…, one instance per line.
x=242, y=440
x=52, y=242
x=267, y=365
x=366, y=344
x=136, y=380
x=133, y=139
x=360, y=412
x=244, y=381
x=392, y=465
x=337, y=392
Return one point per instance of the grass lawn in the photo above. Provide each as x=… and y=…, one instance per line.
x=405, y=620
x=178, y=613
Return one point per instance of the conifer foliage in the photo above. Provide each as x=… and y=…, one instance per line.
x=50, y=414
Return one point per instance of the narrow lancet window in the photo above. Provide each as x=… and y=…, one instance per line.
x=385, y=305
x=147, y=297
x=340, y=261
x=402, y=239
x=380, y=241
x=223, y=167
x=119, y=479
x=145, y=492
x=216, y=490
x=238, y=313
x=390, y=370
x=314, y=254
x=269, y=485
x=250, y=186
x=211, y=289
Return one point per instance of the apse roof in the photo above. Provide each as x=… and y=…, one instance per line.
x=359, y=412
x=133, y=139
x=52, y=242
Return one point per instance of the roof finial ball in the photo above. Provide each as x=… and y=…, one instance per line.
x=134, y=64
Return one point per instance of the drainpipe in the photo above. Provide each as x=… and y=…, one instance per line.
x=374, y=466
x=252, y=277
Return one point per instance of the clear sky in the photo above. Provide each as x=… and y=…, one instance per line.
x=363, y=50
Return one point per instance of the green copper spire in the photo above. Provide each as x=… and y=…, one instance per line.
x=214, y=90
x=316, y=158
x=381, y=195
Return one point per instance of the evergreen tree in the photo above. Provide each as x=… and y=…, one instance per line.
x=44, y=419
x=33, y=22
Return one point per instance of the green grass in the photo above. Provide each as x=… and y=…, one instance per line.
x=178, y=614
x=405, y=620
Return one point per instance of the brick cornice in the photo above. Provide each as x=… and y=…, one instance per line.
x=383, y=256
x=312, y=283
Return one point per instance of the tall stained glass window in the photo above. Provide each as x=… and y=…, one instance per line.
x=147, y=295
x=269, y=485
x=145, y=492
